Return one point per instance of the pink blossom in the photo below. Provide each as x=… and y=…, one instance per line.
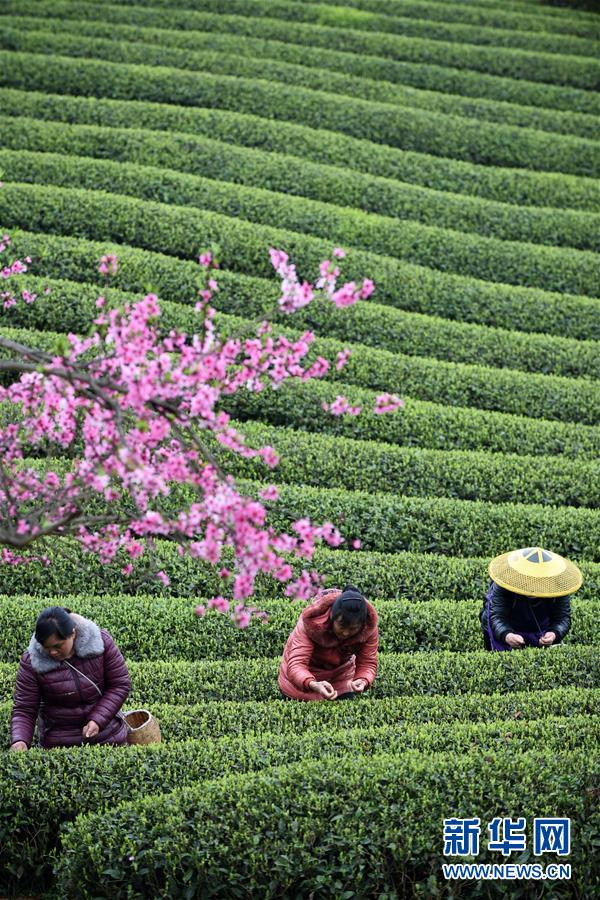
x=279, y=260
x=341, y=407
x=294, y=296
x=200, y=611
x=242, y=618
x=269, y=457
x=304, y=587
x=135, y=549
x=109, y=264
x=270, y=493
x=346, y=295
x=387, y=403
x=367, y=289
x=132, y=437
x=342, y=358
x=339, y=252
x=219, y=603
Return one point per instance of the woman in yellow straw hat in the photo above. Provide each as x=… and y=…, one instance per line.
x=528, y=603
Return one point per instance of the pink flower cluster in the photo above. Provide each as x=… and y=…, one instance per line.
x=109, y=264
x=341, y=407
x=387, y=403
x=141, y=405
x=295, y=295
x=16, y=267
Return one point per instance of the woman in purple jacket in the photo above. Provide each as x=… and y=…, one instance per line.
x=74, y=677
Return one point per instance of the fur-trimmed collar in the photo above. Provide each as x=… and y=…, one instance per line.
x=88, y=643
x=316, y=619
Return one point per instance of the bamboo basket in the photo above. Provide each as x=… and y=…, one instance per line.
x=142, y=727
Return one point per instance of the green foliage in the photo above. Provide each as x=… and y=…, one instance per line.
x=402, y=674
x=253, y=57
x=212, y=719
x=401, y=575
x=325, y=461
x=493, y=65
x=160, y=628
x=420, y=423
x=71, y=307
x=457, y=384
x=382, y=123
x=449, y=147
x=257, y=169
x=124, y=220
x=64, y=785
x=389, y=523
x=256, y=133
x=556, y=269
x=276, y=848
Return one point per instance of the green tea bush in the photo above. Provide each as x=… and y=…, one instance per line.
x=408, y=575
x=151, y=846
x=420, y=423
x=124, y=220
x=383, y=123
x=334, y=28
x=245, y=57
x=389, y=523
x=442, y=672
x=549, y=268
x=253, y=133
x=150, y=628
x=65, y=784
x=421, y=290
x=222, y=162
x=456, y=384
x=325, y=461
x=512, y=15
x=72, y=307
x=211, y=719
x=391, y=58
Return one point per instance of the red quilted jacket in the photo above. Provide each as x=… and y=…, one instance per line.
x=66, y=701
x=314, y=653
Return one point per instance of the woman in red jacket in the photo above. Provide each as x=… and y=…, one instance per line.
x=75, y=679
x=332, y=652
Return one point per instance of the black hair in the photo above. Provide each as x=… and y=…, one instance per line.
x=54, y=620
x=350, y=607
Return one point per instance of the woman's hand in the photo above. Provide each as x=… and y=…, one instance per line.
x=547, y=638
x=19, y=745
x=514, y=640
x=358, y=685
x=91, y=729
x=324, y=688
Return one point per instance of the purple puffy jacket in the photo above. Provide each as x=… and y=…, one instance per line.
x=65, y=701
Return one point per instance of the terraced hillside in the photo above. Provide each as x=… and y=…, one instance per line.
x=453, y=149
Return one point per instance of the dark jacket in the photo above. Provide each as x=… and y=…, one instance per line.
x=510, y=612
x=66, y=701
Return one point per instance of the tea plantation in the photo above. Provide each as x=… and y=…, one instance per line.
x=453, y=150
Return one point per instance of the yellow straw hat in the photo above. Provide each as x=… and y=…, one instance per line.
x=535, y=572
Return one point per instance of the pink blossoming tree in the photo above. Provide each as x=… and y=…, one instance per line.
x=141, y=408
